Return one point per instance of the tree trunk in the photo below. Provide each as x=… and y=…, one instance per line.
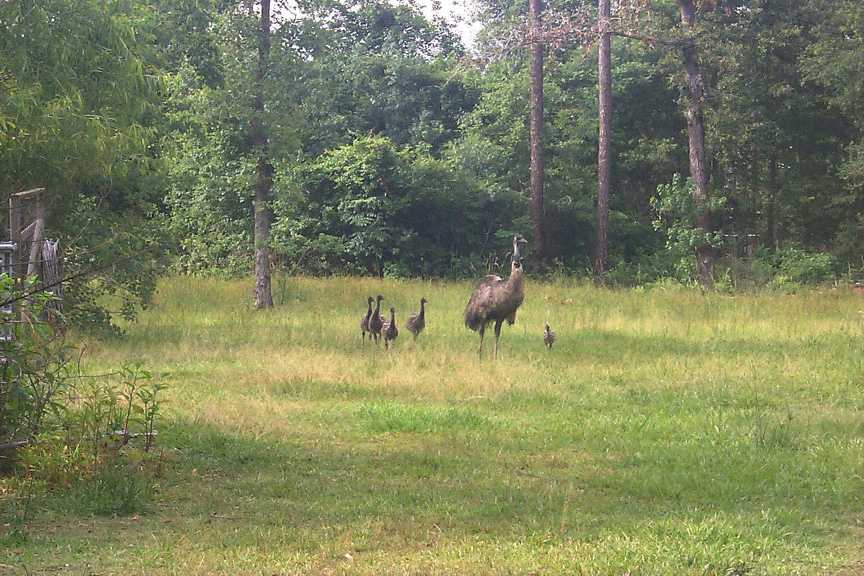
x=604, y=160
x=772, y=240
x=705, y=254
x=263, y=295
x=537, y=218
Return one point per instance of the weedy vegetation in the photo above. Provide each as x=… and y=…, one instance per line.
x=667, y=432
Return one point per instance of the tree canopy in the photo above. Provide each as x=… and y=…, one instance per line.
x=396, y=150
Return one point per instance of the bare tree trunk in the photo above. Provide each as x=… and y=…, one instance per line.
x=705, y=254
x=772, y=239
x=604, y=156
x=537, y=217
x=263, y=295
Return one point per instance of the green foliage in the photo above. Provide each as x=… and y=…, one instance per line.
x=675, y=214
x=95, y=453
x=73, y=109
x=74, y=428
x=384, y=71
x=805, y=267
x=113, y=281
x=111, y=470
x=34, y=373
x=78, y=116
x=135, y=116
x=369, y=205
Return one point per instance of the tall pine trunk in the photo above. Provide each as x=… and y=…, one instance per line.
x=537, y=213
x=705, y=253
x=264, y=172
x=604, y=154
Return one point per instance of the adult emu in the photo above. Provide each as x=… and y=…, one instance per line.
x=496, y=300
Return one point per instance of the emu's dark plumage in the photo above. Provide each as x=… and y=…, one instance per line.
x=364, y=322
x=376, y=321
x=417, y=322
x=390, y=331
x=496, y=300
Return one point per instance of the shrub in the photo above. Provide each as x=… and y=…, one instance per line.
x=69, y=432
x=804, y=267
x=33, y=369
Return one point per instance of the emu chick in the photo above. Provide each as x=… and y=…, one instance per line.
x=548, y=337
x=417, y=322
x=389, y=330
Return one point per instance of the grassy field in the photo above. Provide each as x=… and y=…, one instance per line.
x=667, y=433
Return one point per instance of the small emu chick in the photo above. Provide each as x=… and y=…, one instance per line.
x=548, y=337
x=364, y=322
x=376, y=321
x=390, y=331
x=416, y=322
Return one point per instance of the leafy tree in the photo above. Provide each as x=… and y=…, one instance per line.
x=703, y=218
x=220, y=152
x=263, y=297
x=364, y=68
x=832, y=62
x=376, y=68
x=538, y=48
x=78, y=116
x=371, y=208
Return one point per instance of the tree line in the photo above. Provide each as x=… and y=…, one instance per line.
x=709, y=141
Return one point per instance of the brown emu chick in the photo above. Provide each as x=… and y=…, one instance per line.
x=376, y=321
x=417, y=322
x=548, y=337
x=390, y=331
x=496, y=300
x=364, y=322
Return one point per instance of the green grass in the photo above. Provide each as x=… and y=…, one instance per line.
x=667, y=433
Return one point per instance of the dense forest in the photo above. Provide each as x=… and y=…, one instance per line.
x=362, y=137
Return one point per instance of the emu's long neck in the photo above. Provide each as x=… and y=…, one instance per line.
x=517, y=257
x=516, y=280
x=422, y=309
x=517, y=275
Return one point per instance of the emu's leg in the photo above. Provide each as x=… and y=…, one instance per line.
x=497, y=333
x=480, y=351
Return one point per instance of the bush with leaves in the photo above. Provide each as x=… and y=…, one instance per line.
x=805, y=267
x=675, y=214
x=34, y=365
x=65, y=432
x=372, y=208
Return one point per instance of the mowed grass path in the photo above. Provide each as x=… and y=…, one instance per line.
x=667, y=433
